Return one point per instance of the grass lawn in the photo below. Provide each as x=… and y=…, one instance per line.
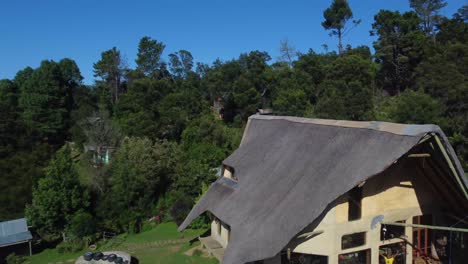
x=146, y=246
x=162, y=231
x=171, y=255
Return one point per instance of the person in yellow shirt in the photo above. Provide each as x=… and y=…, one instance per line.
x=388, y=256
x=389, y=260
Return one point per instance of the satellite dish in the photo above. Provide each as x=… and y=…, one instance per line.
x=376, y=221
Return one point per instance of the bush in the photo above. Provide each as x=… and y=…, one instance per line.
x=180, y=209
x=63, y=248
x=134, y=226
x=201, y=222
x=197, y=253
x=81, y=225
x=148, y=226
x=14, y=259
x=70, y=247
x=413, y=107
x=162, y=208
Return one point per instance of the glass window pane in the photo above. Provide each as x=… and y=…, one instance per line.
x=353, y=240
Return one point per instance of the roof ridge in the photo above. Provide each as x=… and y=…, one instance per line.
x=394, y=128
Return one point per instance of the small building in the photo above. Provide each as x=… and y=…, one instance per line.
x=218, y=107
x=101, y=155
x=301, y=190
x=14, y=238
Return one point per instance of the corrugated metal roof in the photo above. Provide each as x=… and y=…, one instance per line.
x=14, y=231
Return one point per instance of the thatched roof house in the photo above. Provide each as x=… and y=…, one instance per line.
x=289, y=173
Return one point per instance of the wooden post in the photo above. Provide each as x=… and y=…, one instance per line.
x=409, y=235
x=30, y=249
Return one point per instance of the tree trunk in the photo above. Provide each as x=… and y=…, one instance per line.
x=340, y=44
x=117, y=84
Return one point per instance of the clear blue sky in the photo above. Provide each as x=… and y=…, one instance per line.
x=34, y=30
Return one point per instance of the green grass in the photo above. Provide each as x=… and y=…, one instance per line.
x=140, y=247
x=164, y=231
x=171, y=255
x=52, y=256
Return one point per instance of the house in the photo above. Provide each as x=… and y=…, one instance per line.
x=14, y=238
x=100, y=154
x=301, y=190
x=102, y=138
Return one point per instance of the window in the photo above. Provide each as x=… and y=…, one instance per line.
x=354, y=203
x=228, y=172
x=353, y=240
x=393, y=253
x=299, y=258
x=361, y=257
x=391, y=231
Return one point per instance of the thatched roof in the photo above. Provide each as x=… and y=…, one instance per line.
x=289, y=169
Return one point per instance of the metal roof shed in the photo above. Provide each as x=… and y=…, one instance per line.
x=15, y=232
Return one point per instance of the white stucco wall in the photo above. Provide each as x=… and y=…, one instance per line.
x=223, y=237
x=398, y=195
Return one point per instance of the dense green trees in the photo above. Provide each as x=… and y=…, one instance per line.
x=427, y=10
x=46, y=100
x=149, y=56
x=20, y=171
x=205, y=143
x=140, y=174
x=36, y=109
x=57, y=197
x=181, y=63
x=398, y=49
x=111, y=70
x=336, y=17
x=347, y=90
x=414, y=107
x=9, y=94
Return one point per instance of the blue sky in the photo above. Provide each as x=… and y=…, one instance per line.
x=34, y=30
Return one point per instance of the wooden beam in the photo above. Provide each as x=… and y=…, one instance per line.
x=451, y=166
x=425, y=138
x=438, y=170
x=309, y=234
x=419, y=155
x=444, y=228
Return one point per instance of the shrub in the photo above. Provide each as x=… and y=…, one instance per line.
x=14, y=259
x=81, y=225
x=70, y=247
x=63, y=248
x=197, y=253
x=180, y=209
x=201, y=222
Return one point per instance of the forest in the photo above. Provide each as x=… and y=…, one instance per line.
x=147, y=141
